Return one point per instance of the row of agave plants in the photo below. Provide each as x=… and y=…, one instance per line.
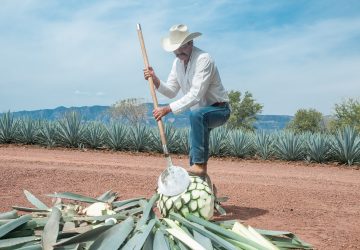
x=343, y=146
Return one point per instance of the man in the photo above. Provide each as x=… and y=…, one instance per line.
x=195, y=73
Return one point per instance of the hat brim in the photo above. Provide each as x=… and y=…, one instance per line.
x=170, y=47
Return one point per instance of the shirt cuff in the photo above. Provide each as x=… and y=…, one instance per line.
x=175, y=108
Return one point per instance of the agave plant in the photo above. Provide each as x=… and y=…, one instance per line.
x=107, y=223
x=289, y=146
x=8, y=128
x=115, y=136
x=47, y=133
x=94, y=135
x=183, y=146
x=27, y=131
x=318, y=147
x=241, y=143
x=218, y=141
x=264, y=144
x=140, y=138
x=171, y=139
x=70, y=130
x=346, y=145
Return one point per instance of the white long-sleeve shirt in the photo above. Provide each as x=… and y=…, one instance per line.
x=200, y=83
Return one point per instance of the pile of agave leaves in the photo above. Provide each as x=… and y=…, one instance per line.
x=108, y=223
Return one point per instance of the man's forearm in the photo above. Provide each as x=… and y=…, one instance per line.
x=156, y=81
x=168, y=109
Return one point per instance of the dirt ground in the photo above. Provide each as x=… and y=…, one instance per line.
x=319, y=203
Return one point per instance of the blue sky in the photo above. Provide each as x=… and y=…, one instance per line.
x=288, y=54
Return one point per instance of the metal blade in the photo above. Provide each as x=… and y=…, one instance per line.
x=173, y=181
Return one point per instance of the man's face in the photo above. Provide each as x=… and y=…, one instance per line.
x=184, y=52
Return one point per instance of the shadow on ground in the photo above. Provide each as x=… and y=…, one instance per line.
x=241, y=213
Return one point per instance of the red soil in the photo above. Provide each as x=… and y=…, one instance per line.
x=319, y=203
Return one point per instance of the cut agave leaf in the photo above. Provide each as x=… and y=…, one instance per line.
x=35, y=201
x=31, y=247
x=160, y=241
x=131, y=243
x=13, y=242
x=18, y=233
x=178, y=233
x=240, y=245
x=132, y=211
x=68, y=226
x=90, y=235
x=186, y=230
x=220, y=209
x=252, y=235
x=203, y=240
x=64, y=235
x=181, y=245
x=184, y=238
x=221, y=199
x=9, y=215
x=149, y=242
x=145, y=234
x=226, y=223
x=51, y=229
x=286, y=243
x=123, y=202
x=195, y=227
x=221, y=231
x=171, y=223
x=108, y=196
x=78, y=230
x=261, y=239
x=137, y=241
x=72, y=196
x=128, y=205
x=115, y=236
x=8, y=227
x=29, y=209
x=147, y=211
x=172, y=244
x=71, y=247
x=284, y=239
x=34, y=223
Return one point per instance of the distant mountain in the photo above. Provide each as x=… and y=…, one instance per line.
x=91, y=113
x=100, y=113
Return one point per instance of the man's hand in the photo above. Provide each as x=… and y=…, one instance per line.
x=160, y=112
x=149, y=72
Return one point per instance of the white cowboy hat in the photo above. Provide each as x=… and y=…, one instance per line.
x=178, y=36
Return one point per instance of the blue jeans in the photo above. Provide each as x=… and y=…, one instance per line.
x=202, y=120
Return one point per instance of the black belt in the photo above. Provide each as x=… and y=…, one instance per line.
x=220, y=104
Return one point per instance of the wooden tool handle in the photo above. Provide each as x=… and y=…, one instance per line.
x=152, y=90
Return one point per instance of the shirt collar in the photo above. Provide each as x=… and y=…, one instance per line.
x=193, y=51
